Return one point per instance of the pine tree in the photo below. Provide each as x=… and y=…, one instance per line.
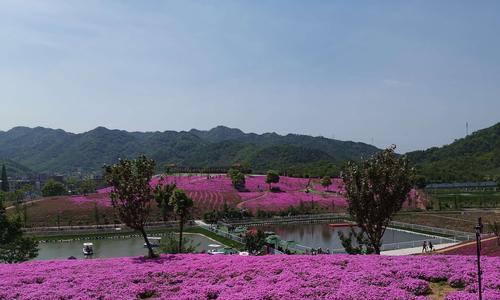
x=5, y=180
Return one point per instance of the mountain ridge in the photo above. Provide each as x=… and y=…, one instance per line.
x=55, y=150
x=474, y=157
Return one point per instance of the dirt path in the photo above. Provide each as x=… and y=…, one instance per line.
x=463, y=245
x=24, y=203
x=239, y=205
x=455, y=219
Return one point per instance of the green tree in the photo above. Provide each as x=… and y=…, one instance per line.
x=254, y=241
x=211, y=217
x=132, y=194
x=272, y=177
x=87, y=186
x=28, y=190
x=170, y=245
x=96, y=214
x=181, y=204
x=420, y=181
x=162, y=194
x=25, y=215
x=15, y=197
x=5, y=180
x=53, y=188
x=14, y=247
x=326, y=181
x=361, y=247
x=72, y=184
x=376, y=189
x=238, y=180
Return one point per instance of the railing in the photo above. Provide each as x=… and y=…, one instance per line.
x=413, y=244
x=220, y=232
x=301, y=249
x=452, y=234
x=92, y=228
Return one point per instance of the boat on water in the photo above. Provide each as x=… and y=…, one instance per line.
x=88, y=249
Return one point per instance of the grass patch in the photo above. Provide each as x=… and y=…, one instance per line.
x=465, y=199
x=220, y=239
x=440, y=290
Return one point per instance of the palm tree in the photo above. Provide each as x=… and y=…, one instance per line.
x=181, y=204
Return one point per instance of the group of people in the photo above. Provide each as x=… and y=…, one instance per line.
x=427, y=247
x=320, y=251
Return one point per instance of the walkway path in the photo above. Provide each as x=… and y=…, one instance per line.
x=415, y=250
x=25, y=203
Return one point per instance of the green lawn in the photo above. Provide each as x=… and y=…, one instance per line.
x=465, y=199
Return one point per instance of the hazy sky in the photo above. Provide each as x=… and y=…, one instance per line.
x=404, y=72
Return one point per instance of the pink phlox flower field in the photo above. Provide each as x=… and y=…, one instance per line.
x=213, y=190
x=335, y=277
x=100, y=199
x=278, y=201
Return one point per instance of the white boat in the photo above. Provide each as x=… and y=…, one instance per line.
x=220, y=250
x=88, y=249
x=154, y=241
x=215, y=249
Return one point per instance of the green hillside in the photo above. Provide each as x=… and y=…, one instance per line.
x=15, y=169
x=475, y=157
x=49, y=150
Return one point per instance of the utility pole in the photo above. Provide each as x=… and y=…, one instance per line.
x=466, y=128
x=479, y=230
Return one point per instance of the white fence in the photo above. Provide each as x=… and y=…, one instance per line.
x=221, y=232
x=451, y=234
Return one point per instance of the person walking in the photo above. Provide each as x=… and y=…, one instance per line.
x=424, y=247
x=431, y=247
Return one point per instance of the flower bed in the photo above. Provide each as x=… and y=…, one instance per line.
x=489, y=247
x=210, y=193
x=339, y=277
x=280, y=201
x=99, y=198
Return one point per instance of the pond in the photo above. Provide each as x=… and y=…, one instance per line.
x=133, y=246
x=324, y=236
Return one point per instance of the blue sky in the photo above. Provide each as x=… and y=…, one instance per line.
x=409, y=73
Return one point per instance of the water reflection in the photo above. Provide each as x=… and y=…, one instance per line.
x=109, y=247
x=324, y=236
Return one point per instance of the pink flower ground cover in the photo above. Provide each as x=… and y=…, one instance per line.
x=279, y=201
x=257, y=183
x=489, y=246
x=212, y=192
x=336, y=187
x=338, y=277
x=99, y=198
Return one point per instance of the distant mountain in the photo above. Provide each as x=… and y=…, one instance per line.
x=475, y=157
x=51, y=150
x=218, y=134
